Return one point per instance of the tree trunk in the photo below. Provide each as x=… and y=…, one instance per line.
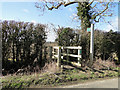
x=13, y=49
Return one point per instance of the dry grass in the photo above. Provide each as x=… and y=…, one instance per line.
x=100, y=64
x=50, y=67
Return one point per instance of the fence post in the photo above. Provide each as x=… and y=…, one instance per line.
x=67, y=55
x=59, y=58
x=79, y=57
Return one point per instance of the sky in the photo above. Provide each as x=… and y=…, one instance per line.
x=64, y=17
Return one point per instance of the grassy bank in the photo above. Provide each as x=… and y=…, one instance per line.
x=50, y=79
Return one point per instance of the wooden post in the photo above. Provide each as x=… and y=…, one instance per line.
x=59, y=58
x=78, y=57
x=79, y=53
x=67, y=55
x=91, y=45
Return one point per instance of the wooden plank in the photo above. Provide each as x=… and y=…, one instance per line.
x=73, y=47
x=69, y=47
x=62, y=57
x=53, y=57
x=76, y=64
x=56, y=56
x=53, y=52
x=72, y=55
x=56, y=47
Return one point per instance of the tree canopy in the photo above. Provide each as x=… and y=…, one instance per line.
x=21, y=43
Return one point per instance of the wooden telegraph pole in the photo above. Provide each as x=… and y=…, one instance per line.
x=91, y=30
x=92, y=45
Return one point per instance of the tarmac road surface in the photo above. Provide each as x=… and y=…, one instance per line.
x=108, y=83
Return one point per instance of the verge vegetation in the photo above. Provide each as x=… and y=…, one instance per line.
x=55, y=78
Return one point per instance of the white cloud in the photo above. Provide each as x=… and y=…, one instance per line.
x=51, y=35
x=74, y=16
x=33, y=21
x=26, y=10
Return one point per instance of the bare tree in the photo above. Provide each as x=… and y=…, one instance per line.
x=98, y=9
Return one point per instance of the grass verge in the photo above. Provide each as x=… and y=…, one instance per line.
x=50, y=79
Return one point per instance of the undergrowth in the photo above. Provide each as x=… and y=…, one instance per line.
x=52, y=79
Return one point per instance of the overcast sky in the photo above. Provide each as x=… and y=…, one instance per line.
x=66, y=17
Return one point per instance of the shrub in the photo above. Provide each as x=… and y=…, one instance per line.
x=22, y=43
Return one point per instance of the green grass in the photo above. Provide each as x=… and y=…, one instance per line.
x=53, y=79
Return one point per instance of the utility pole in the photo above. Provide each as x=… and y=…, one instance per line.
x=91, y=44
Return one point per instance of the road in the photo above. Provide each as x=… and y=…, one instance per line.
x=108, y=83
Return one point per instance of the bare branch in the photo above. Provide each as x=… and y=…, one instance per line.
x=90, y=3
x=53, y=6
x=94, y=5
x=66, y=4
x=62, y=3
x=94, y=16
x=71, y=3
x=97, y=8
x=98, y=19
x=107, y=15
